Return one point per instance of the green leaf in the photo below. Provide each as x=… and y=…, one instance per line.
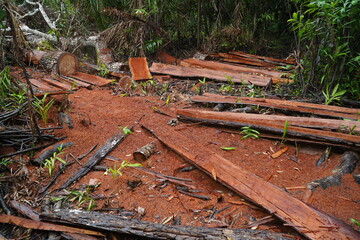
x=228, y=148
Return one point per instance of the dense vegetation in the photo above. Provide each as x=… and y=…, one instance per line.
x=322, y=34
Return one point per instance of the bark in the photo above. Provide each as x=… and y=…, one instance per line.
x=32, y=224
x=62, y=63
x=347, y=165
x=294, y=212
x=99, y=155
x=91, y=79
x=120, y=224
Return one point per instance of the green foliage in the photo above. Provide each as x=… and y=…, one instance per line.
x=229, y=87
x=49, y=164
x=44, y=45
x=355, y=222
x=125, y=130
x=328, y=30
x=5, y=161
x=249, y=132
x=334, y=95
x=42, y=107
x=117, y=171
x=103, y=71
x=284, y=131
x=5, y=82
x=153, y=44
x=10, y=97
x=82, y=197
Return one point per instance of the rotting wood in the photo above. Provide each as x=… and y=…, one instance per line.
x=139, y=68
x=122, y=225
x=235, y=120
x=299, y=215
x=144, y=152
x=25, y=210
x=210, y=74
x=230, y=68
x=91, y=79
x=349, y=160
x=99, y=155
x=32, y=224
x=302, y=107
x=47, y=153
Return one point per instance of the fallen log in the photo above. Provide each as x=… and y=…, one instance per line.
x=295, y=213
x=230, y=68
x=48, y=152
x=99, y=155
x=210, y=74
x=263, y=122
x=301, y=107
x=119, y=224
x=25, y=210
x=32, y=224
x=62, y=63
x=139, y=68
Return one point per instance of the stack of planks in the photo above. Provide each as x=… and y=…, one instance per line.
x=240, y=67
x=340, y=127
x=63, y=73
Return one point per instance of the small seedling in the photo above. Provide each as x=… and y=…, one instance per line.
x=125, y=130
x=81, y=196
x=50, y=163
x=117, y=171
x=284, y=131
x=249, y=132
x=228, y=148
x=42, y=107
x=167, y=101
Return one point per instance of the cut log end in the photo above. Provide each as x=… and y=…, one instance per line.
x=62, y=63
x=144, y=152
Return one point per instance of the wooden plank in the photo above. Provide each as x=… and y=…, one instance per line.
x=237, y=59
x=139, y=68
x=70, y=80
x=230, y=68
x=61, y=85
x=240, y=120
x=211, y=74
x=270, y=59
x=91, y=79
x=294, y=212
x=32, y=224
x=302, y=107
x=307, y=122
x=43, y=86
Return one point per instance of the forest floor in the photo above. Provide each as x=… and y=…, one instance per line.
x=98, y=113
